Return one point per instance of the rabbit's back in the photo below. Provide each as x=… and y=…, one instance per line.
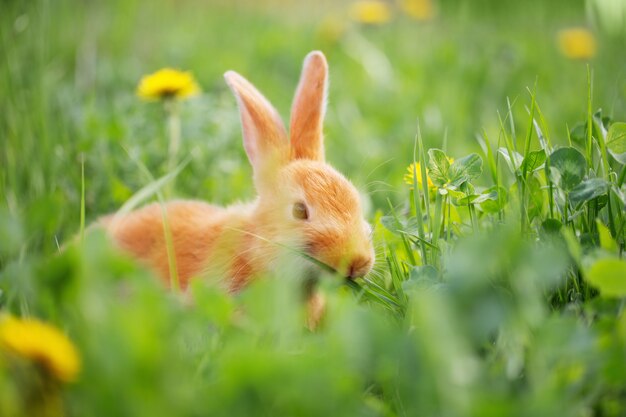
x=194, y=226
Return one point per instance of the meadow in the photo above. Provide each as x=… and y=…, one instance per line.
x=489, y=143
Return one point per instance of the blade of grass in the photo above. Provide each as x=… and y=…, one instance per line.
x=524, y=192
x=531, y=121
x=509, y=106
x=569, y=136
x=406, y=243
x=417, y=203
x=422, y=161
x=82, y=198
x=488, y=152
x=547, y=145
x=149, y=189
x=397, y=275
x=417, y=240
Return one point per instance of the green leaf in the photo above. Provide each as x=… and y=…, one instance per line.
x=588, y=190
x=578, y=133
x=609, y=276
x=422, y=278
x=487, y=195
x=465, y=169
x=616, y=141
x=551, y=227
x=533, y=160
x=438, y=167
x=455, y=195
x=492, y=200
x=567, y=167
x=466, y=199
x=573, y=245
x=392, y=224
x=535, y=197
x=606, y=240
x=397, y=226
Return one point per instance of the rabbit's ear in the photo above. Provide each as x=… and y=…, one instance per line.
x=264, y=135
x=309, y=106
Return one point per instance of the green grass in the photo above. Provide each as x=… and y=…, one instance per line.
x=498, y=291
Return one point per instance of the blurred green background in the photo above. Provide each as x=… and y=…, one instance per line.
x=505, y=326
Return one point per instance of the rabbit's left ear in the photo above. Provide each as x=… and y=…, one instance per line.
x=264, y=135
x=307, y=111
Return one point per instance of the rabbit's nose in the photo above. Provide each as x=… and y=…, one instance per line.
x=359, y=266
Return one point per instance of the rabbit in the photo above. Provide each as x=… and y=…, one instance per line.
x=302, y=202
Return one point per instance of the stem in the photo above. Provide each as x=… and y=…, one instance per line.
x=169, y=247
x=173, y=130
x=167, y=231
x=470, y=208
x=449, y=229
x=444, y=218
x=589, y=120
x=437, y=218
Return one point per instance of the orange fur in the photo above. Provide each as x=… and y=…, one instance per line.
x=240, y=242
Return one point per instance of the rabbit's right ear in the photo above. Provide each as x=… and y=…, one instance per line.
x=309, y=106
x=264, y=135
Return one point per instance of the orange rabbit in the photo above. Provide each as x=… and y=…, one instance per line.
x=302, y=201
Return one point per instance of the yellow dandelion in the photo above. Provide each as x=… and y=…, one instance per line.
x=331, y=29
x=372, y=12
x=416, y=168
x=577, y=43
x=42, y=344
x=418, y=9
x=167, y=83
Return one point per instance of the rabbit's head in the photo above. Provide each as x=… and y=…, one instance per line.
x=302, y=201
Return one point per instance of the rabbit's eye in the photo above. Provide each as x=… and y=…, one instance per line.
x=300, y=211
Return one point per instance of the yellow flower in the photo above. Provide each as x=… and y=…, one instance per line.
x=166, y=83
x=373, y=12
x=42, y=344
x=577, y=43
x=418, y=9
x=417, y=168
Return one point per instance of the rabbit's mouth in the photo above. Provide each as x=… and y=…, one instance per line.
x=350, y=267
x=310, y=253
x=317, y=267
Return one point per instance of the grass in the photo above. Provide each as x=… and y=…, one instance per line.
x=499, y=290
